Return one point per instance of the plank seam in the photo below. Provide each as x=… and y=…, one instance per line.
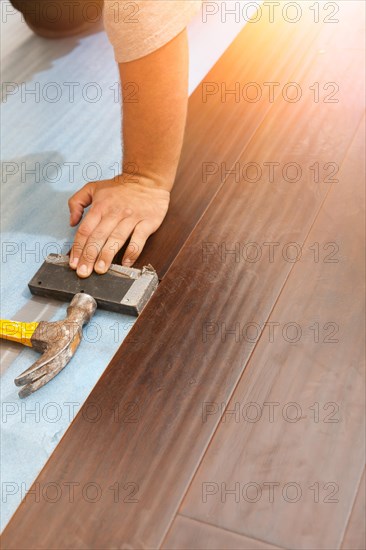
x=229, y=530
x=351, y=510
x=257, y=342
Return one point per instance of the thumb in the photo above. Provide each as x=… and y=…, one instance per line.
x=80, y=200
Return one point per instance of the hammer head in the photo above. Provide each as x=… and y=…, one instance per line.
x=58, y=342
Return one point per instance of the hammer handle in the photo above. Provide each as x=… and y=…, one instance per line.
x=17, y=332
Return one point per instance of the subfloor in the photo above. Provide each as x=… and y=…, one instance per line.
x=232, y=415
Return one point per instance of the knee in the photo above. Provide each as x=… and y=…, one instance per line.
x=57, y=18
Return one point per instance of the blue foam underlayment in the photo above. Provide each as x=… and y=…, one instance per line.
x=35, y=222
x=68, y=143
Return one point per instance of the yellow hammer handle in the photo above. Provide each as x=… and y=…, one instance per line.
x=17, y=332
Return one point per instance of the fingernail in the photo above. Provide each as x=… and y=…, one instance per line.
x=83, y=270
x=127, y=263
x=74, y=262
x=101, y=265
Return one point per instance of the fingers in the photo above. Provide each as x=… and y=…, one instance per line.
x=78, y=202
x=138, y=240
x=97, y=240
x=117, y=239
x=87, y=226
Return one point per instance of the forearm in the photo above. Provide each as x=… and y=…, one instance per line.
x=153, y=126
x=153, y=129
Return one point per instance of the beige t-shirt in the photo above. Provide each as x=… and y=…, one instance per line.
x=139, y=27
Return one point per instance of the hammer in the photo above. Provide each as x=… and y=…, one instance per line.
x=58, y=342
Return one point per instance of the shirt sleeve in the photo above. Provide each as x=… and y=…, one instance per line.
x=139, y=27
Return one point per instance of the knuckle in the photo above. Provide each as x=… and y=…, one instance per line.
x=133, y=250
x=96, y=210
x=114, y=211
x=76, y=249
x=111, y=249
x=84, y=230
x=140, y=235
x=117, y=236
x=91, y=251
x=108, y=252
x=97, y=236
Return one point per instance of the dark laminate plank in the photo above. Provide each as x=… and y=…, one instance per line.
x=217, y=131
x=323, y=452
x=355, y=537
x=189, y=534
x=165, y=367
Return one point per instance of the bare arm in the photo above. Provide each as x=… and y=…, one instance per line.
x=135, y=203
x=154, y=126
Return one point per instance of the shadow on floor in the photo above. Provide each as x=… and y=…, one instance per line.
x=35, y=190
x=37, y=54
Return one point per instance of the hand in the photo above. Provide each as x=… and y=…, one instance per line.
x=119, y=208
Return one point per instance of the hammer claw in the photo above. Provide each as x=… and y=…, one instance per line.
x=50, y=363
x=37, y=383
x=58, y=341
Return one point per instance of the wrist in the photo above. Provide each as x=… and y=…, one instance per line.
x=146, y=178
x=141, y=185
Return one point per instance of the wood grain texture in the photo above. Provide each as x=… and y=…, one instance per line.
x=165, y=367
x=319, y=458
x=188, y=534
x=218, y=130
x=355, y=536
